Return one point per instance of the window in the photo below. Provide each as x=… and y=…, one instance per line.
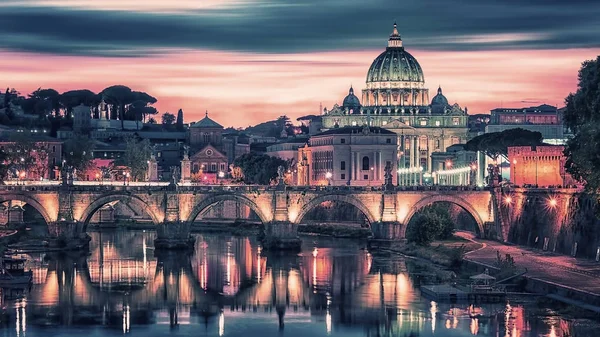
x=343, y=166
x=343, y=176
x=423, y=122
x=53, y=148
x=213, y=167
x=437, y=143
x=437, y=123
x=388, y=141
x=343, y=140
x=366, y=177
x=455, y=120
x=365, y=163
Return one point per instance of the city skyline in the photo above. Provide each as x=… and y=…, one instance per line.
x=250, y=61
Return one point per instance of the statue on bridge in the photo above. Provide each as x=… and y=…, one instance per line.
x=280, y=175
x=388, y=175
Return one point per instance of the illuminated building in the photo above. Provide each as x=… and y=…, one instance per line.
x=395, y=98
x=545, y=119
x=355, y=155
x=538, y=165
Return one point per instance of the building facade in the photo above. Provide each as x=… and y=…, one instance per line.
x=541, y=166
x=354, y=155
x=396, y=98
x=545, y=119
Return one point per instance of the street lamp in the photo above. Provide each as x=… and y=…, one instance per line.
x=552, y=202
x=328, y=176
x=125, y=177
x=371, y=176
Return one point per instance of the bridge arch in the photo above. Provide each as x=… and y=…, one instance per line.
x=126, y=198
x=206, y=203
x=30, y=201
x=453, y=199
x=335, y=197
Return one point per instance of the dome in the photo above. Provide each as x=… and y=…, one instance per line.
x=439, y=99
x=351, y=101
x=395, y=64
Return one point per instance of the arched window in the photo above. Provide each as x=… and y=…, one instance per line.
x=365, y=163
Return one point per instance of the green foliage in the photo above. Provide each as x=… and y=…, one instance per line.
x=168, y=118
x=180, y=120
x=73, y=98
x=25, y=155
x=431, y=223
x=506, y=264
x=259, y=168
x=118, y=96
x=271, y=128
x=582, y=116
x=78, y=152
x=3, y=167
x=495, y=144
x=136, y=157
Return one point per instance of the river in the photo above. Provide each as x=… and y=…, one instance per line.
x=229, y=287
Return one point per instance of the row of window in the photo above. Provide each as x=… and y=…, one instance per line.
x=422, y=122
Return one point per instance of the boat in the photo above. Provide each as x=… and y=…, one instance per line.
x=13, y=273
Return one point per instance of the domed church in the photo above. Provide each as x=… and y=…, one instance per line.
x=395, y=97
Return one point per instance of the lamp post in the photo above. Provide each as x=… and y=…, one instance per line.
x=328, y=176
x=449, y=176
x=421, y=175
x=371, y=175
x=221, y=175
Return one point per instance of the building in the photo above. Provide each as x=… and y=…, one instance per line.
x=32, y=156
x=541, y=166
x=352, y=155
x=545, y=119
x=287, y=149
x=455, y=166
x=395, y=98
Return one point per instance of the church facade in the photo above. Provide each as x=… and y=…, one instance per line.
x=395, y=98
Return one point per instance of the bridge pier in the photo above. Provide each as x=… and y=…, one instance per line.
x=67, y=235
x=281, y=235
x=174, y=235
x=385, y=233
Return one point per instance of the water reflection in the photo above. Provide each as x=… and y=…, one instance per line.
x=229, y=287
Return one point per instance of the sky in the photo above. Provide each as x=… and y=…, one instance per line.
x=247, y=61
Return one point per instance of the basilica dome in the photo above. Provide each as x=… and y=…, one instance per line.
x=351, y=101
x=395, y=64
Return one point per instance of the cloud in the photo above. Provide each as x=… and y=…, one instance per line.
x=119, y=28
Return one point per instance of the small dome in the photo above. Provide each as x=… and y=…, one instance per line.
x=351, y=101
x=439, y=99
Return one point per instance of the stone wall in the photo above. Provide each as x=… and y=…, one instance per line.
x=533, y=219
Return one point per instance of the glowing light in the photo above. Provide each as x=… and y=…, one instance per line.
x=221, y=174
x=221, y=324
x=328, y=175
x=328, y=322
x=474, y=326
x=473, y=167
x=433, y=311
x=552, y=202
x=515, y=161
x=448, y=163
x=508, y=200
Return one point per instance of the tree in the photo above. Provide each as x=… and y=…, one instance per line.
x=118, y=96
x=3, y=167
x=136, y=157
x=431, y=223
x=151, y=120
x=70, y=99
x=259, y=168
x=496, y=144
x=168, y=118
x=582, y=116
x=180, y=120
x=24, y=155
x=141, y=106
x=78, y=152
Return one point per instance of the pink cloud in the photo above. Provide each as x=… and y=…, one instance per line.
x=240, y=89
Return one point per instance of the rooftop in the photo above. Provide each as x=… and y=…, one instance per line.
x=357, y=130
x=206, y=122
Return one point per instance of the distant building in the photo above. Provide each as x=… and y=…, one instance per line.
x=395, y=98
x=288, y=149
x=354, y=156
x=455, y=166
x=541, y=166
x=47, y=155
x=545, y=119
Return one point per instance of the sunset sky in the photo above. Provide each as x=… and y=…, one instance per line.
x=246, y=61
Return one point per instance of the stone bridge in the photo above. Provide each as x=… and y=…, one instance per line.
x=68, y=209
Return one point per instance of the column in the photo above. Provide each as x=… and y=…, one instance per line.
x=381, y=166
x=429, y=151
x=416, y=145
x=358, y=165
